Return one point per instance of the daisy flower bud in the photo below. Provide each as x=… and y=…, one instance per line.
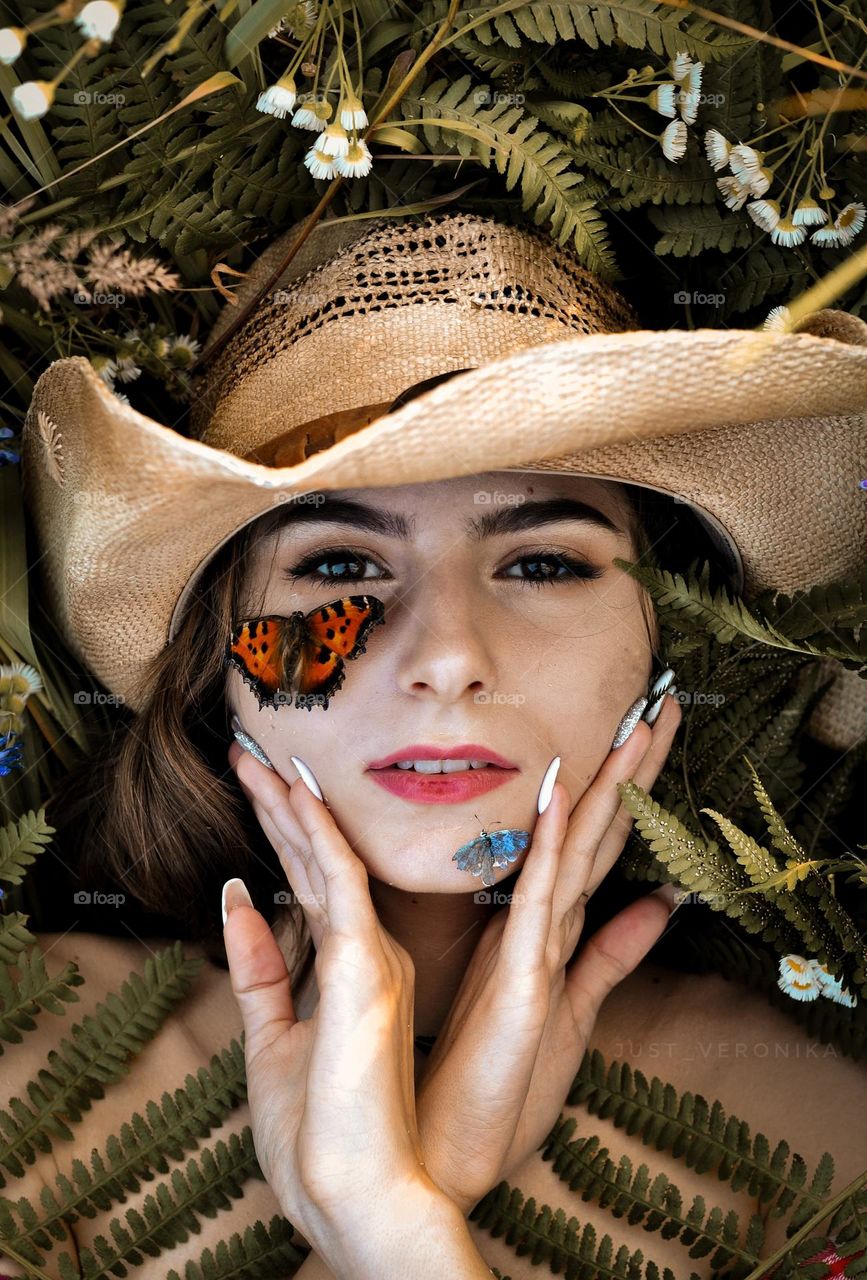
x=278, y=99
x=352, y=114
x=808, y=213
x=315, y=116
x=673, y=140
x=718, y=148
x=12, y=41
x=32, y=99
x=357, y=162
x=787, y=234
x=98, y=20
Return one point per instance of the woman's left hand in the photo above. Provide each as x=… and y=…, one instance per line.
x=518, y=1029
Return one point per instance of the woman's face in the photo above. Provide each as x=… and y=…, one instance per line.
x=507, y=631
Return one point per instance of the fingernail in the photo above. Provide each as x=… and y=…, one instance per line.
x=547, y=786
x=670, y=894
x=250, y=744
x=307, y=776
x=234, y=895
x=628, y=723
x=656, y=694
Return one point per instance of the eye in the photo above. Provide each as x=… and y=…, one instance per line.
x=551, y=567
x=338, y=564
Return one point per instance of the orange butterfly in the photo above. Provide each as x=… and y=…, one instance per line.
x=302, y=655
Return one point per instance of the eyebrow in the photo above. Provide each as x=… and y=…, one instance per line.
x=513, y=518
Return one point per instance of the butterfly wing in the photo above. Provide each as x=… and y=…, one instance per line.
x=333, y=633
x=506, y=845
x=256, y=651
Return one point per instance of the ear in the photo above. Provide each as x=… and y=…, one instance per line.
x=830, y=323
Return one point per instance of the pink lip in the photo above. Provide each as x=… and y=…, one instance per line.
x=440, y=788
x=463, y=751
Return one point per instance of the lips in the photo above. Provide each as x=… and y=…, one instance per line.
x=476, y=770
x=429, y=751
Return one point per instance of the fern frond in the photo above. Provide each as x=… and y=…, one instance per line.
x=690, y=231
x=95, y=1056
x=504, y=137
x=262, y=1253
x=21, y=842
x=33, y=990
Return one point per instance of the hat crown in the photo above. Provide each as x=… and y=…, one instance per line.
x=366, y=308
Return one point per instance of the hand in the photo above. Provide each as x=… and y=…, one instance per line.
x=514, y=1038
x=331, y=1098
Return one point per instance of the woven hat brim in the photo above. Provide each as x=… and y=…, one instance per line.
x=765, y=431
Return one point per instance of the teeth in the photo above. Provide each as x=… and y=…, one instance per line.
x=441, y=766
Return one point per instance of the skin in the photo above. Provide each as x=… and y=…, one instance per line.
x=578, y=652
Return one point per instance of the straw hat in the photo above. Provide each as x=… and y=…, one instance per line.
x=763, y=434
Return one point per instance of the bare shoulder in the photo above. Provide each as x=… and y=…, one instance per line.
x=724, y=1041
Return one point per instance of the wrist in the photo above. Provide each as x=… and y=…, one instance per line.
x=416, y=1231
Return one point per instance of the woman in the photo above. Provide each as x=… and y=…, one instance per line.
x=503, y=627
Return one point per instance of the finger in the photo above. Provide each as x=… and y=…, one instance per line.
x=645, y=775
x=294, y=867
x=593, y=815
x=347, y=896
x=524, y=943
x=610, y=954
x=259, y=977
x=271, y=794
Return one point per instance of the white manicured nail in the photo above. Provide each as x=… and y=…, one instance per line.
x=241, y=892
x=547, y=786
x=307, y=776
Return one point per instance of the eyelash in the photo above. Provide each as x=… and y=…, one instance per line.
x=576, y=568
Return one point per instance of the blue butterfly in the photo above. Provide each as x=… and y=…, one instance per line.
x=491, y=849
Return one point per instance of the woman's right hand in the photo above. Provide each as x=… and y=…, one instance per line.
x=331, y=1097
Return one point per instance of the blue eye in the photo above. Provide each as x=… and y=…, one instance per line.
x=342, y=564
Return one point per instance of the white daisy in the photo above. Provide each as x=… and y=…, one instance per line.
x=315, y=116
x=745, y=162
x=777, y=320
x=334, y=141
x=351, y=113
x=11, y=43
x=695, y=74
x=680, y=65
x=734, y=193
x=183, y=348
x=126, y=369
x=787, y=234
x=850, y=220
x=25, y=678
x=760, y=181
x=357, y=162
x=764, y=213
x=717, y=147
x=319, y=163
x=278, y=99
x=798, y=978
x=673, y=140
x=98, y=20
x=833, y=988
x=32, y=99
x=661, y=99
x=808, y=214
x=829, y=237
x=687, y=103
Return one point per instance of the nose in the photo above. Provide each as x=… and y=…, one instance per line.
x=447, y=641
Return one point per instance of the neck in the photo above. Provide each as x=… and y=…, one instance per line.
x=440, y=931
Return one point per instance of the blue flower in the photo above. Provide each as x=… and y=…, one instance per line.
x=7, y=455
x=10, y=754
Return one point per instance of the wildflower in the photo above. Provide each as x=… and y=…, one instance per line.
x=661, y=99
x=126, y=369
x=760, y=181
x=734, y=193
x=105, y=367
x=718, y=148
x=808, y=213
x=357, y=162
x=680, y=65
x=687, y=103
x=777, y=320
x=12, y=41
x=314, y=117
x=351, y=113
x=183, y=349
x=334, y=141
x=765, y=213
x=7, y=456
x=278, y=99
x=745, y=163
x=798, y=979
x=319, y=163
x=849, y=221
x=10, y=754
x=98, y=19
x=832, y=987
x=673, y=140
x=32, y=99
x=17, y=681
x=786, y=233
